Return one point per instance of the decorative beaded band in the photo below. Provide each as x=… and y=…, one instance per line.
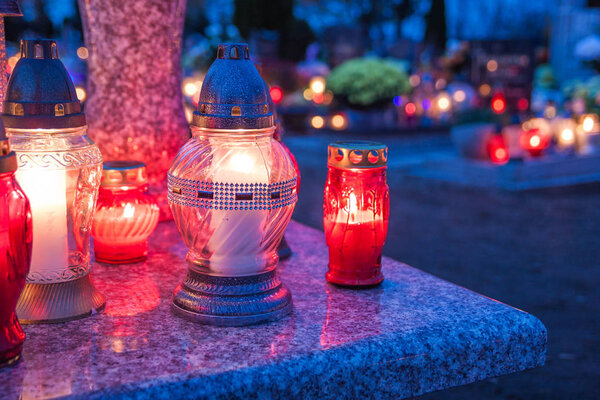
x=231, y=196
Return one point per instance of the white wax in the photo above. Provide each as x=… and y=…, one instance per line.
x=238, y=234
x=46, y=190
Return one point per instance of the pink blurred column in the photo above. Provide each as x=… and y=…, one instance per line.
x=134, y=107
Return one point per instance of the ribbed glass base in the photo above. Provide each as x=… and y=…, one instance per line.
x=59, y=302
x=232, y=301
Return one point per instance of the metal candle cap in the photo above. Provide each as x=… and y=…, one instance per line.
x=233, y=95
x=8, y=159
x=40, y=93
x=10, y=8
x=123, y=173
x=357, y=154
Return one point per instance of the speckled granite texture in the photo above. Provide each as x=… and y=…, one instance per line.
x=412, y=335
x=134, y=107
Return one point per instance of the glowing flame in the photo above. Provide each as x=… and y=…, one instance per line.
x=128, y=211
x=352, y=204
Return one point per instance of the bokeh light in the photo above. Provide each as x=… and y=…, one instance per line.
x=443, y=103
x=338, y=122
x=307, y=94
x=522, y=104
x=83, y=53
x=459, y=96
x=317, y=122
x=485, y=89
x=567, y=137
x=189, y=89
x=276, y=94
x=81, y=94
x=317, y=84
x=588, y=123
x=414, y=80
x=318, y=98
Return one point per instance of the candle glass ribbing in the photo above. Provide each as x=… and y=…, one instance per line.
x=59, y=171
x=125, y=215
x=232, y=191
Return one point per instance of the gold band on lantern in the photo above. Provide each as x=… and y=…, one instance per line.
x=357, y=154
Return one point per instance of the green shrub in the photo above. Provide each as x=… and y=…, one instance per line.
x=367, y=82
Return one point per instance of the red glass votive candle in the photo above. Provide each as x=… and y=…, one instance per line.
x=16, y=236
x=125, y=214
x=356, y=212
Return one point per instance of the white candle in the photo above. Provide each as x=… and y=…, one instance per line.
x=46, y=190
x=237, y=235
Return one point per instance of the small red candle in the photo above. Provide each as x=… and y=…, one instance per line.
x=534, y=141
x=497, y=150
x=125, y=214
x=356, y=212
x=15, y=252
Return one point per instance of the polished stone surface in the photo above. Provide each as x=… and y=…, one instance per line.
x=412, y=335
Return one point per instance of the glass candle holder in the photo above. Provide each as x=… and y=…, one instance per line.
x=356, y=212
x=15, y=253
x=59, y=171
x=283, y=250
x=232, y=191
x=126, y=214
x=534, y=141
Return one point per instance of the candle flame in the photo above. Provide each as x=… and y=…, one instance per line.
x=352, y=204
x=128, y=211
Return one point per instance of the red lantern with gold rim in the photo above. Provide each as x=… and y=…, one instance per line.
x=356, y=212
x=534, y=141
x=497, y=150
x=126, y=214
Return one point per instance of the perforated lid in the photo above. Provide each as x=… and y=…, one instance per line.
x=40, y=93
x=233, y=95
x=123, y=173
x=357, y=154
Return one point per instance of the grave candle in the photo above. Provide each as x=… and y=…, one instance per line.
x=59, y=171
x=15, y=252
x=126, y=213
x=356, y=212
x=232, y=190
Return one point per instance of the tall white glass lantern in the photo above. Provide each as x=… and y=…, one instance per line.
x=59, y=171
